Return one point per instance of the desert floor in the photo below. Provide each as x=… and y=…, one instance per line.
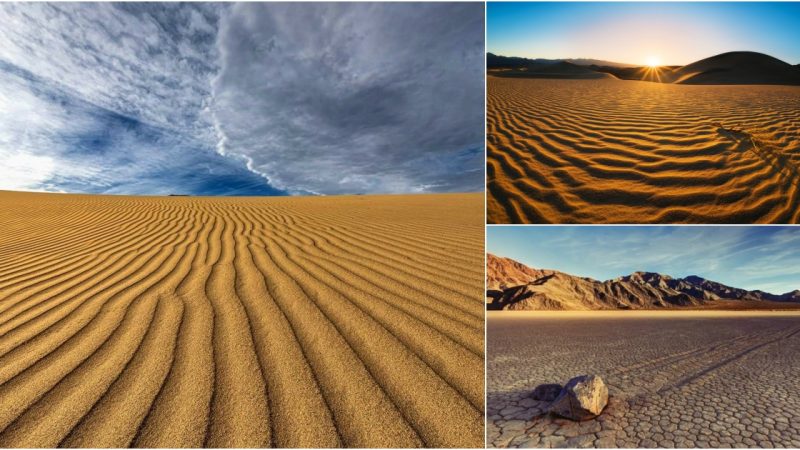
x=676, y=378
x=596, y=151
x=182, y=321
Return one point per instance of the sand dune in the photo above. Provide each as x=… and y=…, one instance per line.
x=560, y=69
x=247, y=322
x=598, y=151
x=738, y=68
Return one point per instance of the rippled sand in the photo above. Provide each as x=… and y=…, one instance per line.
x=596, y=151
x=241, y=322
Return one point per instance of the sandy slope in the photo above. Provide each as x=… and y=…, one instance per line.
x=738, y=68
x=592, y=151
x=179, y=321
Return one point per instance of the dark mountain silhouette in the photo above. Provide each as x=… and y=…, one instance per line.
x=513, y=62
x=529, y=68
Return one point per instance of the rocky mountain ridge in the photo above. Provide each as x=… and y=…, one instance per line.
x=512, y=285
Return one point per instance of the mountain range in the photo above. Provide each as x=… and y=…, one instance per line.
x=496, y=61
x=741, y=67
x=512, y=285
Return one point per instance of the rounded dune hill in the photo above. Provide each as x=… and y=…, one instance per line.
x=570, y=71
x=738, y=68
x=557, y=70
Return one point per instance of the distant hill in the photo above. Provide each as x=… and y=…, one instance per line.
x=596, y=62
x=512, y=62
x=507, y=62
x=515, y=286
x=529, y=68
x=741, y=67
x=738, y=68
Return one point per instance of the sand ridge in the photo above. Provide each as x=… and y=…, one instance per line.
x=293, y=322
x=620, y=151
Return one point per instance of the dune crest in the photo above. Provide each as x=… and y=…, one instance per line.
x=738, y=68
x=241, y=322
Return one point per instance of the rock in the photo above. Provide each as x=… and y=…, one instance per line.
x=583, y=398
x=546, y=392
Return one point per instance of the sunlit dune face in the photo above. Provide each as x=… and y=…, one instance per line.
x=653, y=62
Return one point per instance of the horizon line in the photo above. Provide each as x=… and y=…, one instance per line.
x=638, y=65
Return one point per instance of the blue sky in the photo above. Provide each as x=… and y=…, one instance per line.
x=676, y=33
x=750, y=257
x=241, y=99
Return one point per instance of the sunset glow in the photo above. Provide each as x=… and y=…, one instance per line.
x=653, y=61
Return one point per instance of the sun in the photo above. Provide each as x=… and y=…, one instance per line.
x=653, y=61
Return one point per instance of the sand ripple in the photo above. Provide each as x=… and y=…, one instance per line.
x=596, y=151
x=241, y=322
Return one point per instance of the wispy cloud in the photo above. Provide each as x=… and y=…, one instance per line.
x=261, y=98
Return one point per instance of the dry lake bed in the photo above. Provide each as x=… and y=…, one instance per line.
x=676, y=379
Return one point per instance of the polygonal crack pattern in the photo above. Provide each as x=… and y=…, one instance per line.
x=722, y=382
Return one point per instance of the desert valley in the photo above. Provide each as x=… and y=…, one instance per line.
x=241, y=322
x=687, y=362
x=589, y=141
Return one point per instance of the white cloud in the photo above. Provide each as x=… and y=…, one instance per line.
x=23, y=171
x=152, y=62
x=30, y=130
x=338, y=98
x=321, y=98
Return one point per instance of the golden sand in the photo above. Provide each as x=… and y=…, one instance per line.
x=597, y=151
x=291, y=322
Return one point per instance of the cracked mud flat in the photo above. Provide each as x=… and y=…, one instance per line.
x=676, y=379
